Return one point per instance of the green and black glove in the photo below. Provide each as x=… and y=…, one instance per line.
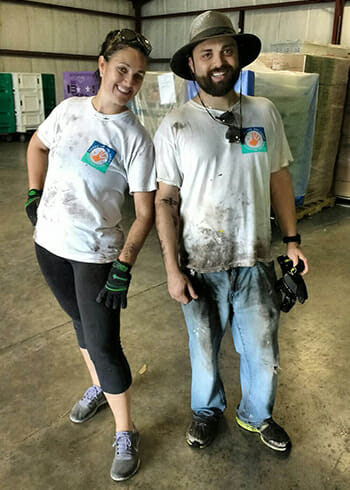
x=31, y=206
x=114, y=292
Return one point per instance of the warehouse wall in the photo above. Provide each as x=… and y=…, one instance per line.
x=313, y=23
x=31, y=28
x=345, y=38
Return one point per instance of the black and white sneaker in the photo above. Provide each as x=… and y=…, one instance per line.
x=271, y=434
x=202, y=430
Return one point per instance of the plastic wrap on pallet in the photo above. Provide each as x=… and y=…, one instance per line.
x=160, y=92
x=333, y=73
x=295, y=96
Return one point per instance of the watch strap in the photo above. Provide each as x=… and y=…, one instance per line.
x=295, y=238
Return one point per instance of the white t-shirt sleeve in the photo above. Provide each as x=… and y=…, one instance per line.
x=48, y=128
x=279, y=151
x=167, y=167
x=141, y=169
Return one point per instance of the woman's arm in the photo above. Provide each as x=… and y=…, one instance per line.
x=144, y=209
x=37, y=157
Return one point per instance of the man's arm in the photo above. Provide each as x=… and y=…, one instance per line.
x=167, y=223
x=282, y=201
x=144, y=210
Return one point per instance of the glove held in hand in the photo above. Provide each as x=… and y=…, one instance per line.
x=291, y=285
x=114, y=293
x=31, y=206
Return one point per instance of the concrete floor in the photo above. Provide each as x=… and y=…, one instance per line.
x=42, y=374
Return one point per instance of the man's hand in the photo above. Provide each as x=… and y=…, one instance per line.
x=180, y=288
x=291, y=285
x=31, y=206
x=295, y=253
x=114, y=293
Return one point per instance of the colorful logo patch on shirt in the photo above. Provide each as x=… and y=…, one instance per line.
x=254, y=140
x=99, y=156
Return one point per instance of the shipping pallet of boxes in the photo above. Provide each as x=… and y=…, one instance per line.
x=333, y=80
x=342, y=170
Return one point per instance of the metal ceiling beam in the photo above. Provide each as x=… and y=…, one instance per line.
x=293, y=3
x=43, y=54
x=338, y=21
x=78, y=10
x=139, y=3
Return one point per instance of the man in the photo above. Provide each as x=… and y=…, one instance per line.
x=222, y=162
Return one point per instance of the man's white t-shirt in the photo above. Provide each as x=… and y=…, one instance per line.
x=93, y=159
x=224, y=187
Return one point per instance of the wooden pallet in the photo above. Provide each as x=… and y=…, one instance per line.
x=315, y=207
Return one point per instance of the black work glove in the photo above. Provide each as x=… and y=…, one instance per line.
x=291, y=285
x=31, y=206
x=115, y=291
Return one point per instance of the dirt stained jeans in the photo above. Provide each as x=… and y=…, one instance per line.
x=246, y=297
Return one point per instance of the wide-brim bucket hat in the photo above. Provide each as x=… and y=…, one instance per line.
x=211, y=24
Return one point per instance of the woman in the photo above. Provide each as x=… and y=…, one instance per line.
x=80, y=162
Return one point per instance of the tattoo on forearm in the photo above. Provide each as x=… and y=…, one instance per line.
x=130, y=250
x=176, y=222
x=162, y=246
x=169, y=201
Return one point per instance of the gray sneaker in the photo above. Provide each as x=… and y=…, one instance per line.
x=126, y=461
x=86, y=408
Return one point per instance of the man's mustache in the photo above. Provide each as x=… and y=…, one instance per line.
x=224, y=68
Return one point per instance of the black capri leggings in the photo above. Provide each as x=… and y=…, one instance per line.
x=76, y=286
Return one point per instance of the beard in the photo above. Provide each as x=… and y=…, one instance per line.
x=219, y=89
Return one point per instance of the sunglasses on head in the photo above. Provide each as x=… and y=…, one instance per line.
x=132, y=38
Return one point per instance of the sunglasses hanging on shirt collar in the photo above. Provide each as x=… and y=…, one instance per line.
x=234, y=132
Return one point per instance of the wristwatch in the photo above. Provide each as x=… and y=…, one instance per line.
x=295, y=238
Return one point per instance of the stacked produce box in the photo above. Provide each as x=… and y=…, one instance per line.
x=342, y=171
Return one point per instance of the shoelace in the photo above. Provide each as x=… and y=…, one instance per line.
x=123, y=444
x=91, y=394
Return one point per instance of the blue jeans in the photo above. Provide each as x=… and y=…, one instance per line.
x=247, y=298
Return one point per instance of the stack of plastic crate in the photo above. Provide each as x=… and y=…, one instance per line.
x=7, y=110
x=28, y=99
x=49, y=92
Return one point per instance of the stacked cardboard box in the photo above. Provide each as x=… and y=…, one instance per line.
x=342, y=171
x=310, y=47
x=333, y=81
x=330, y=109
